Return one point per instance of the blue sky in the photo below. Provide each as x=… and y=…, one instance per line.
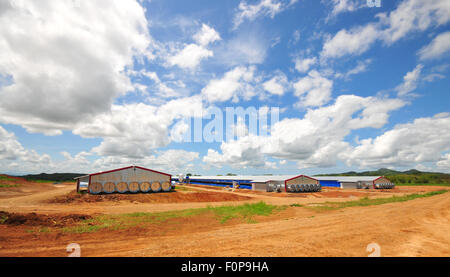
x=94, y=85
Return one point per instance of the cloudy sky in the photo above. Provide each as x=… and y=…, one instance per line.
x=94, y=85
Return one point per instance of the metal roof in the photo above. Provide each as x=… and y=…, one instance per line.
x=128, y=167
x=347, y=178
x=266, y=178
x=256, y=179
x=123, y=168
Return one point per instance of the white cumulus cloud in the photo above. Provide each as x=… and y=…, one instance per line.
x=14, y=157
x=317, y=140
x=66, y=62
x=303, y=65
x=313, y=90
x=410, y=81
x=421, y=141
x=192, y=54
x=190, y=57
x=438, y=47
x=410, y=16
x=277, y=85
x=268, y=8
x=206, y=35
x=233, y=84
x=137, y=130
x=341, y=6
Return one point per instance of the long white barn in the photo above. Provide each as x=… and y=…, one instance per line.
x=264, y=182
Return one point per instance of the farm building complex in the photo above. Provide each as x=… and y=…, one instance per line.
x=355, y=182
x=286, y=183
x=291, y=183
x=135, y=179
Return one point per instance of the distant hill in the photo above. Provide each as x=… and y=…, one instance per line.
x=55, y=177
x=412, y=176
x=381, y=172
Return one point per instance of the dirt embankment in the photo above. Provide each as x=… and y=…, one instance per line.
x=12, y=179
x=33, y=219
x=166, y=197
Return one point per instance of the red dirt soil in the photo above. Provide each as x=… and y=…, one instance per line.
x=15, y=179
x=18, y=236
x=166, y=197
x=418, y=227
x=33, y=219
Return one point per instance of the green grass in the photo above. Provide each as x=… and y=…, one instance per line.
x=125, y=221
x=246, y=211
x=3, y=219
x=6, y=178
x=44, y=230
x=440, y=185
x=8, y=186
x=363, y=202
x=182, y=188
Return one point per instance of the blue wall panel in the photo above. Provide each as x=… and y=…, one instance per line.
x=220, y=185
x=330, y=183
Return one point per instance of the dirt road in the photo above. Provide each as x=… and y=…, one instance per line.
x=418, y=227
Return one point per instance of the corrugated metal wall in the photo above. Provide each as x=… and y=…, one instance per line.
x=259, y=186
x=349, y=185
x=302, y=180
x=383, y=180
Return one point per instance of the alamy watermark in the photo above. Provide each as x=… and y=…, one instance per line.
x=74, y=250
x=225, y=124
x=374, y=249
x=374, y=3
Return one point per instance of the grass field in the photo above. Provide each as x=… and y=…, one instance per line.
x=327, y=206
x=8, y=186
x=181, y=188
x=438, y=185
x=4, y=179
x=245, y=212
